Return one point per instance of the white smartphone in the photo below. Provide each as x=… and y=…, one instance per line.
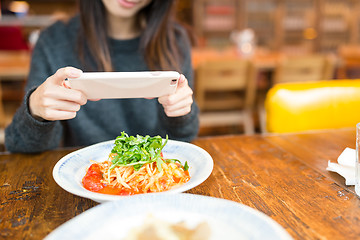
x=101, y=85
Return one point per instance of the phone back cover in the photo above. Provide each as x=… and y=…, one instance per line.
x=126, y=84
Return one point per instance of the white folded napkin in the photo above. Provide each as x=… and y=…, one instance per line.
x=345, y=166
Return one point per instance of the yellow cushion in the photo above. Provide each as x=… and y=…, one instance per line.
x=295, y=107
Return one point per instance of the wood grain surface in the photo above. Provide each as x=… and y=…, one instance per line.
x=283, y=176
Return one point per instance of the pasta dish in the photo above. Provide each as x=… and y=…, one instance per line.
x=135, y=165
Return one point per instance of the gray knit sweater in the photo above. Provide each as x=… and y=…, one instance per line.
x=97, y=120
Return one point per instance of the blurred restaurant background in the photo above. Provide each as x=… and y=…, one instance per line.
x=241, y=49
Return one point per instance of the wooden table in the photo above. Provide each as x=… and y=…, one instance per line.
x=282, y=176
x=263, y=60
x=14, y=65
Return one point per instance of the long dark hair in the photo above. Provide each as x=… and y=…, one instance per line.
x=158, y=38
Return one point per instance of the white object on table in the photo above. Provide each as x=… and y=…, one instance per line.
x=345, y=166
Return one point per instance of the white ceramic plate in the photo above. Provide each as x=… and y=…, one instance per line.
x=69, y=170
x=227, y=219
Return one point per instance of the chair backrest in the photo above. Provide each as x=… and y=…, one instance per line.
x=219, y=83
x=349, y=62
x=12, y=38
x=295, y=107
x=304, y=68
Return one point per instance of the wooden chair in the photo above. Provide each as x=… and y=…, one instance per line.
x=304, y=68
x=12, y=38
x=349, y=62
x=299, y=68
x=296, y=107
x=225, y=92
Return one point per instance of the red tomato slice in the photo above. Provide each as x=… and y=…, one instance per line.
x=91, y=180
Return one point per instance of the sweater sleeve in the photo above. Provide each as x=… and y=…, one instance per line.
x=184, y=128
x=25, y=133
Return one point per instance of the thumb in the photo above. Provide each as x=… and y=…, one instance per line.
x=63, y=73
x=182, y=81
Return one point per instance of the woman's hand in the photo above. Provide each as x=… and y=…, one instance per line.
x=179, y=103
x=52, y=100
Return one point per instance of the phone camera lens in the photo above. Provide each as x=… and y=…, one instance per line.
x=173, y=82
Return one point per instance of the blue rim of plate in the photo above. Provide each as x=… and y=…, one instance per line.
x=240, y=221
x=70, y=169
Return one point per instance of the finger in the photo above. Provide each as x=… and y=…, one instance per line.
x=178, y=112
x=182, y=81
x=179, y=93
x=51, y=103
x=53, y=115
x=65, y=84
x=65, y=94
x=172, y=107
x=186, y=103
x=179, y=96
x=63, y=73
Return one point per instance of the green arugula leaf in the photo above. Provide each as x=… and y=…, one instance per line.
x=139, y=150
x=186, y=166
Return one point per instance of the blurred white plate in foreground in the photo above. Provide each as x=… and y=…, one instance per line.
x=227, y=219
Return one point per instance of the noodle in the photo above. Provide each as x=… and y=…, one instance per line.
x=136, y=165
x=146, y=179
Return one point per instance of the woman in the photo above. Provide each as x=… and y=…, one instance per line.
x=109, y=35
